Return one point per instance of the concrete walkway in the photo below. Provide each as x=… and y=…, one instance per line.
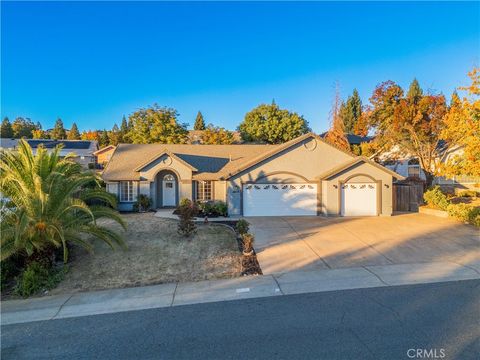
x=285, y=244
x=167, y=295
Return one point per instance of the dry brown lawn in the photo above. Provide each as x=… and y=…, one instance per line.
x=156, y=254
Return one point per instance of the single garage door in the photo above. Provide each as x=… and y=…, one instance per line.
x=359, y=199
x=279, y=199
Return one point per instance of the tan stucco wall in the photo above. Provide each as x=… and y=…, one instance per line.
x=331, y=195
x=305, y=161
x=219, y=190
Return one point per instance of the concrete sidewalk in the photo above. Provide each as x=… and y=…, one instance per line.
x=167, y=295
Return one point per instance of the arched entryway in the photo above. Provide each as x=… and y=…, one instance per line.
x=166, y=189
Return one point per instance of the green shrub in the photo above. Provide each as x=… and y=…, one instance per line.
x=8, y=270
x=187, y=211
x=143, y=203
x=242, y=226
x=476, y=221
x=467, y=193
x=213, y=208
x=221, y=208
x=37, y=277
x=464, y=212
x=185, y=202
x=436, y=198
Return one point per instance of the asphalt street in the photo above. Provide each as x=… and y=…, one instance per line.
x=403, y=322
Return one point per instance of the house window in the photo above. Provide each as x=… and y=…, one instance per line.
x=204, y=190
x=128, y=191
x=414, y=171
x=413, y=168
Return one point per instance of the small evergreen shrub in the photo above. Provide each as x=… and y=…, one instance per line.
x=436, y=198
x=221, y=208
x=213, y=208
x=37, y=277
x=242, y=226
x=187, y=211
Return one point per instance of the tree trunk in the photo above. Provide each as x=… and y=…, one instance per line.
x=428, y=178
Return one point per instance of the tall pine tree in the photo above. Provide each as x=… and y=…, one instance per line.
x=415, y=92
x=58, y=131
x=351, y=112
x=74, y=134
x=199, y=122
x=122, y=135
x=6, y=130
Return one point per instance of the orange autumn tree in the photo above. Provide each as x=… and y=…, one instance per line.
x=336, y=133
x=413, y=122
x=462, y=130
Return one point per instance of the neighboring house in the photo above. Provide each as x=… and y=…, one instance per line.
x=353, y=139
x=195, y=137
x=82, y=149
x=408, y=166
x=305, y=176
x=102, y=156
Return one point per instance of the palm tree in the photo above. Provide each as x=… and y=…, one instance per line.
x=49, y=199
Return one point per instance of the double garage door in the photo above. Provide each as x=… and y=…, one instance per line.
x=359, y=199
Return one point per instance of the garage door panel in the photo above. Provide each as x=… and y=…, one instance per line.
x=359, y=199
x=280, y=199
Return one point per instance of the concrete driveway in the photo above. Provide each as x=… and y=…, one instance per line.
x=285, y=244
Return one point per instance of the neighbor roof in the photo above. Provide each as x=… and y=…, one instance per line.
x=353, y=139
x=79, y=147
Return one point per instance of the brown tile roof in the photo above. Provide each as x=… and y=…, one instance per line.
x=211, y=161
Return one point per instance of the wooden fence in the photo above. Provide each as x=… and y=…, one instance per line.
x=407, y=196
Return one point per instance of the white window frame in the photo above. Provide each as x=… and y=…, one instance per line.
x=201, y=192
x=128, y=194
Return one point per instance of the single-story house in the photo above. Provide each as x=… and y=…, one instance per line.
x=81, y=149
x=103, y=155
x=305, y=176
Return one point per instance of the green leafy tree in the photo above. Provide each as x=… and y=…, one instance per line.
x=74, y=134
x=23, y=127
x=6, y=129
x=199, y=122
x=50, y=199
x=272, y=125
x=157, y=125
x=351, y=112
x=217, y=135
x=58, y=131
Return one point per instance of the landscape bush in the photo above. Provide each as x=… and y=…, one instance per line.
x=464, y=212
x=242, y=226
x=213, y=208
x=142, y=204
x=436, y=198
x=38, y=277
x=187, y=211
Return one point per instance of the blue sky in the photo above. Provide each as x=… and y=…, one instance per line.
x=93, y=62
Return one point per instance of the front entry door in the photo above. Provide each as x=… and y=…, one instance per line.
x=168, y=191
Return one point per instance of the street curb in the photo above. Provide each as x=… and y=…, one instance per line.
x=247, y=287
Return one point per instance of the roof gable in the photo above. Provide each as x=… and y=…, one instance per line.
x=354, y=162
x=280, y=148
x=162, y=153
